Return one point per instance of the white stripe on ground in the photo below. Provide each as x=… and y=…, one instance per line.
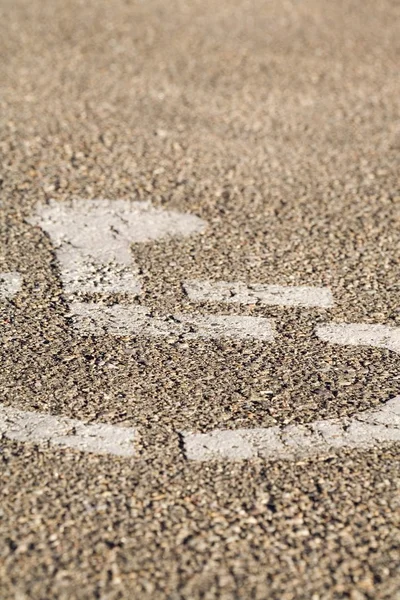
x=10, y=284
x=123, y=320
x=26, y=426
x=364, y=430
x=359, y=334
x=240, y=293
x=93, y=239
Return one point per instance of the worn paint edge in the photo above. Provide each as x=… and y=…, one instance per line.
x=265, y=295
x=10, y=284
x=364, y=430
x=360, y=334
x=29, y=426
x=123, y=320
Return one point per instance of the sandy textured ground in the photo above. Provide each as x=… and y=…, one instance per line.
x=277, y=123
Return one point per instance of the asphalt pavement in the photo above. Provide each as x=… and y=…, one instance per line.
x=199, y=300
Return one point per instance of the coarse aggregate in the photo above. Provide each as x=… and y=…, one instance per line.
x=277, y=123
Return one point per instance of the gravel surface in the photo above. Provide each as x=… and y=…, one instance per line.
x=276, y=123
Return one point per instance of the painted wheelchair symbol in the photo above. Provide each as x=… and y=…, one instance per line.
x=93, y=239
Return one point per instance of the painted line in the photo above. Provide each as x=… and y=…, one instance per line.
x=240, y=293
x=359, y=334
x=10, y=284
x=362, y=431
x=93, y=239
x=26, y=426
x=123, y=320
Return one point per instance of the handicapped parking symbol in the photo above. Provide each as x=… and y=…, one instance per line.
x=92, y=240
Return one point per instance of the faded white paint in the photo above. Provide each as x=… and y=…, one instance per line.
x=39, y=428
x=10, y=284
x=364, y=430
x=360, y=334
x=123, y=320
x=93, y=239
x=240, y=293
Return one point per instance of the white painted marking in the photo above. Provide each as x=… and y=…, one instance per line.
x=360, y=334
x=10, y=284
x=93, y=238
x=364, y=430
x=123, y=320
x=240, y=293
x=26, y=426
